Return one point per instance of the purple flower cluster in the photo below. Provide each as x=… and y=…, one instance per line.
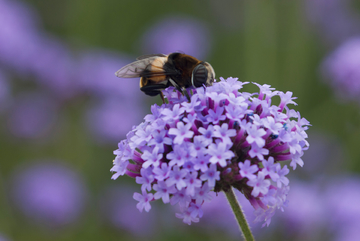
x=342, y=68
x=223, y=138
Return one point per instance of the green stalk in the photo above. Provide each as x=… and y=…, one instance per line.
x=239, y=215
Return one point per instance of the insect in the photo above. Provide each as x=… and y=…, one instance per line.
x=159, y=71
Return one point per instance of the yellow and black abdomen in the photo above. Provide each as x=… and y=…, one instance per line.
x=161, y=79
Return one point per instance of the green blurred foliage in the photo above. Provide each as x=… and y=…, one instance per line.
x=264, y=42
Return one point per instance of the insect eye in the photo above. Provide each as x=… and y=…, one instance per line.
x=199, y=75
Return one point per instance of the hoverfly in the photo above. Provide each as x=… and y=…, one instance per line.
x=159, y=71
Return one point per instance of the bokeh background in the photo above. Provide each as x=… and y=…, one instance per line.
x=62, y=111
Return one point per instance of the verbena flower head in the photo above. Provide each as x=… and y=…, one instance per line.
x=223, y=138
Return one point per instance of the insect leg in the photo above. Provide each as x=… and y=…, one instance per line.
x=184, y=91
x=204, y=86
x=162, y=97
x=174, y=84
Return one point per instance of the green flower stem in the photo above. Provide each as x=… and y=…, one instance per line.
x=239, y=215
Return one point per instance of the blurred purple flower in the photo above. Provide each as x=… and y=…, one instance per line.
x=333, y=20
x=322, y=210
x=19, y=29
x=29, y=51
x=111, y=118
x=342, y=198
x=348, y=233
x=54, y=67
x=20, y=14
x=50, y=193
x=342, y=69
x=178, y=33
x=323, y=156
x=3, y=238
x=95, y=74
x=32, y=115
x=117, y=208
x=306, y=213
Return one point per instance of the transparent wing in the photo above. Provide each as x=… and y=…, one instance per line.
x=149, y=56
x=147, y=67
x=136, y=68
